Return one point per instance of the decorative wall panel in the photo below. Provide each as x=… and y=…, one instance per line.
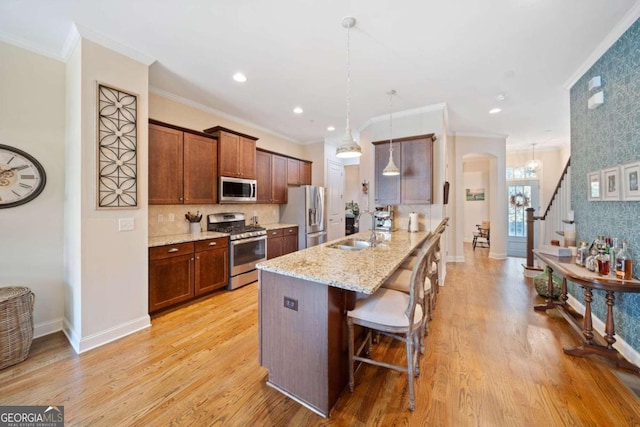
x=117, y=148
x=600, y=139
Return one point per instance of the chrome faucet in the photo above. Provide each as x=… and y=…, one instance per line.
x=373, y=240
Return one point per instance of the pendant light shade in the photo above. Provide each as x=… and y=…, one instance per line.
x=349, y=147
x=533, y=165
x=391, y=169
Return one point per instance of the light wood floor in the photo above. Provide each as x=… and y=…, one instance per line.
x=491, y=361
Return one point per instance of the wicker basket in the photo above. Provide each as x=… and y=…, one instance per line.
x=16, y=324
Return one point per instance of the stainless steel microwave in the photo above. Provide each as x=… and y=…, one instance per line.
x=237, y=190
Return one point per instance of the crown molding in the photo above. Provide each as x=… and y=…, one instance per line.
x=207, y=109
x=480, y=135
x=613, y=36
x=31, y=47
x=105, y=41
x=70, y=43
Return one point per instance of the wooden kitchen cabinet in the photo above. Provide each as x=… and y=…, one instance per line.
x=282, y=241
x=184, y=271
x=236, y=153
x=271, y=172
x=290, y=240
x=298, y=172
x=211, y=265
x=170, y=275
x=182, y=166
x=387, y=187
x=414, y=157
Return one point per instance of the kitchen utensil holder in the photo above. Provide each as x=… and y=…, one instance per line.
x=194, y=227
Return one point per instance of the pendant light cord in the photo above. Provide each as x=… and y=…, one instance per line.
x=348, y=76
x=391, y=93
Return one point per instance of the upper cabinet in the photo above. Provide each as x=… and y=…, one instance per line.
x=236, y=153
x=414, y=157
x=298, y=172
x=182, y=166
x=271, y=171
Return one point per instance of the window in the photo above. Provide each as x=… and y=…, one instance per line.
x=519, y=200
x=520, y=172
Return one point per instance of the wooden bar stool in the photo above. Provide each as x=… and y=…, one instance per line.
x=397, y=315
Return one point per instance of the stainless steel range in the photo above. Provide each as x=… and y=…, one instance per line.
x=248, y=246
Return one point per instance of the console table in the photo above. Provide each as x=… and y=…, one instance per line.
x=566, y=267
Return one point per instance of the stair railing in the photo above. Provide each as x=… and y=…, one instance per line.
x=554, y=215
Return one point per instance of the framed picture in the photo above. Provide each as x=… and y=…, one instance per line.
x=611, y=183
x=476, y=194
x=594, y=192
x=630, y=174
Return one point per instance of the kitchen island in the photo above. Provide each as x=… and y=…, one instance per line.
x=303, y=301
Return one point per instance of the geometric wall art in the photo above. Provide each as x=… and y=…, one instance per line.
x=117, y=149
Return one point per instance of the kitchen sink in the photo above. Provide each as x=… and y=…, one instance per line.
x=351, y=245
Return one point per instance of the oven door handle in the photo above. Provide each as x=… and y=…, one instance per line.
x=252, y=239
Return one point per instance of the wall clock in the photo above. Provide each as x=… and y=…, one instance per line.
x=22, y=177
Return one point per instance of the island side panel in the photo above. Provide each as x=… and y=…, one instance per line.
x=304, y=349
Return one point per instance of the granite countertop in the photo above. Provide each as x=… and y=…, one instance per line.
x=182, y=238
x=361, y=271
x=277, y=226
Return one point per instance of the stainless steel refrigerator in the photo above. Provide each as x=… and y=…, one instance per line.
x=306, y=208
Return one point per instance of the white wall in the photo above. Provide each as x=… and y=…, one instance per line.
x=32, y=119
x=475, y=175
x=107, y=269
x=493, y=148
x=352, y=186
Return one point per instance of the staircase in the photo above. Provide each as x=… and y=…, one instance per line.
x=555, y=219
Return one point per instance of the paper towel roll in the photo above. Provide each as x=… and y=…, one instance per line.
x=413, y=222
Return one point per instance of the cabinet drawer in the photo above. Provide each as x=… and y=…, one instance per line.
x=168, y=251
x=205, y=245
x=291, y=231
x=279, y=232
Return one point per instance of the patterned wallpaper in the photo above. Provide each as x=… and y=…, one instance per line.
x=601, y=138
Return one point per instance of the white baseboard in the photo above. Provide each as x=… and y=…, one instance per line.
x=494, y=255
x=80, y=345
x=621, y=345
x=459, y=258
x=46, y=328
x=468, y=240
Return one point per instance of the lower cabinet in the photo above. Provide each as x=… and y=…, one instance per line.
x=181, y=272
x=282, y=241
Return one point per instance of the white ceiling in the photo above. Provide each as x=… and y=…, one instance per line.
x=462, y=53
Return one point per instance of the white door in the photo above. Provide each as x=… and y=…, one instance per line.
x=520, y=196
x=335, y=202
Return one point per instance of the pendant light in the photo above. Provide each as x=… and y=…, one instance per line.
x=533, y=165
x=391, y=169
x=349, y=148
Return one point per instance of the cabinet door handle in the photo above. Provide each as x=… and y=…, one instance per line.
x=212, y=243
x=172, y=250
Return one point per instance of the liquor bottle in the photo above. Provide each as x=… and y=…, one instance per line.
x=624, y=263
x=602, y=262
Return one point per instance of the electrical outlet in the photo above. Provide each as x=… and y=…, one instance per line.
x=172, y=217
x=160, y=218
x=125, y=224
x=291, y=304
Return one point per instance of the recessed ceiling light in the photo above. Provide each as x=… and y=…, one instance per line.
x=298, y=110
x=331, y=128
x=239, y=77
x=495, y=110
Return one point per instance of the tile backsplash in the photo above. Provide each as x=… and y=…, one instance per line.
x=165, y=220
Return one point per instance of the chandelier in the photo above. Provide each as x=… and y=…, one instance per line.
x=533, y=165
